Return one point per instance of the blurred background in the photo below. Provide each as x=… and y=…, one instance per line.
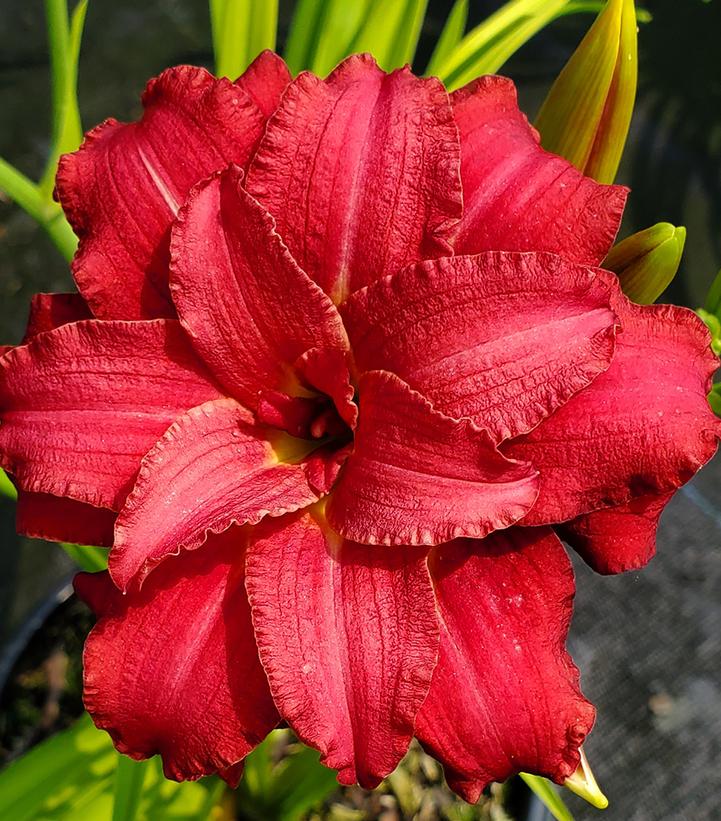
x=648, y=644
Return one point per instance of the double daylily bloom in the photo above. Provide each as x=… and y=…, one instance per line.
x=341, y=368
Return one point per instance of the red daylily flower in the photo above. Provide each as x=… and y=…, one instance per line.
x=341, y=365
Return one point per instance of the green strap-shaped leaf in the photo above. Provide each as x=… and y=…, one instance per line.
x=450, y=36
x=241, y=29
x=129, y=778
x=390, y=32
x=587, y=113
x=548, y=794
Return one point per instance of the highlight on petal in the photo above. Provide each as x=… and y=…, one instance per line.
x=504, y=696
x=212, y=468
x=361, y=173
x=618, y=538
x=587, y=113
x=48, y=311
x=123, y=187
x=416, y=476
x=248, y=307
x=173, y=669
x=647, y=261
x=57, y=519
x=348, y=637
x=643, y=428
x=81, y=405
x=518, y=197
x=503, y=338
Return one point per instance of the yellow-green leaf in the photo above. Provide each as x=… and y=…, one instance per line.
x=587, y=113
x=450, y=36
x=646, y=262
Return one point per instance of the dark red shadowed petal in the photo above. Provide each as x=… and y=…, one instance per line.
x=81, y=405
x=642, y=428
x=518, y=197
x=173, y=669
x=213, y=468
x=504, y=696
x=250, y=310
x=57, y=519
x=122, y=189
x=418, y=477
x=348, y=637
x=327, y=370
x=619, y=538
x=361, y=172
x=48, y=311
x=504, y=338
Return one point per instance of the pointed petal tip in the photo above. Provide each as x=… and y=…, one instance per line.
x=584, y=784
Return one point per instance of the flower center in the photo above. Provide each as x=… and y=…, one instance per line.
x=315, y=418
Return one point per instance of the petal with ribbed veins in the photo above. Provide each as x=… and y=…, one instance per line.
x=518, y=197
x=81, y=405
x=173, y=669
x=249, y=309
x=348, y=637
x=123, y=187
x=503, y=338
x=212, y=468
x=504, y=696
x=361, y=172
x=48, y=311
x=418, y=477
x=643, y=427
x=618, y=538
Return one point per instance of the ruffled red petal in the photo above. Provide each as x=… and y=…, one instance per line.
x=618, y=538
x=518, y=197
x=173, y=669
x=361, y=172
x=504, y=338
x=213, y=468
x=81, y=405
x=122, y=189
x=250, y=310
x=48, y=311
x=58, y=519
x=504, y=696
x=348, y=636
x=643, y=427
x=418, y=477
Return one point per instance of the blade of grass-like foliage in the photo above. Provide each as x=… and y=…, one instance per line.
x=547, y=793
x=487, y=47
x=7, y=488
x=48, y=214
x=285, y=789
x=390, y=32
x=450, y=36
x=129, y=778
x=64, y=41
x=594, y=6
x=241, y=29
x=90, y=559
x=73, y=775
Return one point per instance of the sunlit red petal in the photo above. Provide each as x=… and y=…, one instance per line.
x=81, y=405
x=265, y=80
x=618, y=538
x=504, y=696
x=173, y=669
x=348, y=636
x=644, y=427
x=518, y=197
x=48, y=311
x=212, y=468
x=57, y=519
x=250, y=310
x=504, y=338
x=361, y=172
x=418, y=477
x=122, y=189
x=326, y=370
